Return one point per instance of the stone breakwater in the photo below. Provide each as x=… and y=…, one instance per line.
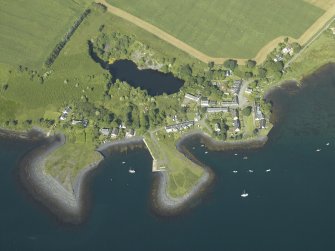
x=68, y=206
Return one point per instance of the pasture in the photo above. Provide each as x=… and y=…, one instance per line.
x=31, y=29
x=226, y=28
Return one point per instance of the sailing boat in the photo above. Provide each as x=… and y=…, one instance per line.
x=244, y=194
x=131, y=171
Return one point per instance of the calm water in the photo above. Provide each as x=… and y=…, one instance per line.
x=153, y=81
x=292, y=208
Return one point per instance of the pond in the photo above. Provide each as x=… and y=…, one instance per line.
x=153, y=81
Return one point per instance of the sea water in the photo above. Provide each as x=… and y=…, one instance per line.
x=292, y=207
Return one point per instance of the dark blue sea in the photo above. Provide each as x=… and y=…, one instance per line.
x=290, y=208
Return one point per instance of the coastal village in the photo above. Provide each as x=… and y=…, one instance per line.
x=203, y=114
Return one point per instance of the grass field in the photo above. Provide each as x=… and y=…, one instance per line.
x=31, y=29
x=226, y=28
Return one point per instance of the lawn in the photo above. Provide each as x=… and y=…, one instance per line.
x=31, y=29
x=226, y=28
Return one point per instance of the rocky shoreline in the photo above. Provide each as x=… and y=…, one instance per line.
x=68, y=206
x=72, y=206
x=164, y=204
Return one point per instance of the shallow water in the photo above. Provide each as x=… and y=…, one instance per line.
x=290, y=208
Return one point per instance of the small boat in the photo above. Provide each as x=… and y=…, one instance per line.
x=123, y=162
x=235, y=154
x=268, y=170
x=244, y=194
x=202, y=145
x=235, y=171
x=131, y=170
x=251, y=171
x=318, y=150
x=327, y=144
x=245, y=157
x=206, y=152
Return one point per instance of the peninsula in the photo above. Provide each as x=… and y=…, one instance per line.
x=79, y=90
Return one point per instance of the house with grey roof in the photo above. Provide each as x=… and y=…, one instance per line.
x=192, y=97
x=217, y=109
x=104, y=131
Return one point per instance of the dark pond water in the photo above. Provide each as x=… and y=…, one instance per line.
x=291, y=208
x=153, y=81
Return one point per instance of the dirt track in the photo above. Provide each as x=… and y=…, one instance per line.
x=259, y=58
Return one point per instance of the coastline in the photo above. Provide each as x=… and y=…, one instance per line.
x=122, y=144
x=69, y=207
x=164, y=204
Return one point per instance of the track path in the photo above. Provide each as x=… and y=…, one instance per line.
x=259, y=58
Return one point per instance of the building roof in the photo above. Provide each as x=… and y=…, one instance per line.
x=104, y=131
x=217, y=109
x=192, y=97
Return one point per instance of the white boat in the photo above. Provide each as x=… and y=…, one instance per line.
x=206, y=152
x=245, y=157
x=123, y=162
x=202, y=145
x=235, y=154
x=131, y=170
x=234, y=171
x=327, y=144
x=251, y=171
x=244, y=194
x=268, y=170
x=318, y=150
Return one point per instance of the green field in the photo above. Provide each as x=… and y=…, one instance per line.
x=226, y=28
x=31, y=29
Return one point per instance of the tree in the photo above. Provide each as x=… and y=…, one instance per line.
x=248, y=75
x=144, y=121
x=247, y=111
x=262, y=72
x=211, y=64
x=185, y=71
x=251, y=63
x=230, y=64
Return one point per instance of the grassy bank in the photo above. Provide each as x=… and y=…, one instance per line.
x=66, y=162
x=183, y=173
x=319, y=53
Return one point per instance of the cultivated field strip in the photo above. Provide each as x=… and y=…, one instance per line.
x=261, y=55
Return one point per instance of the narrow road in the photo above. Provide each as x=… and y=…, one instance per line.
x=243, y=101
x=259, y=58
